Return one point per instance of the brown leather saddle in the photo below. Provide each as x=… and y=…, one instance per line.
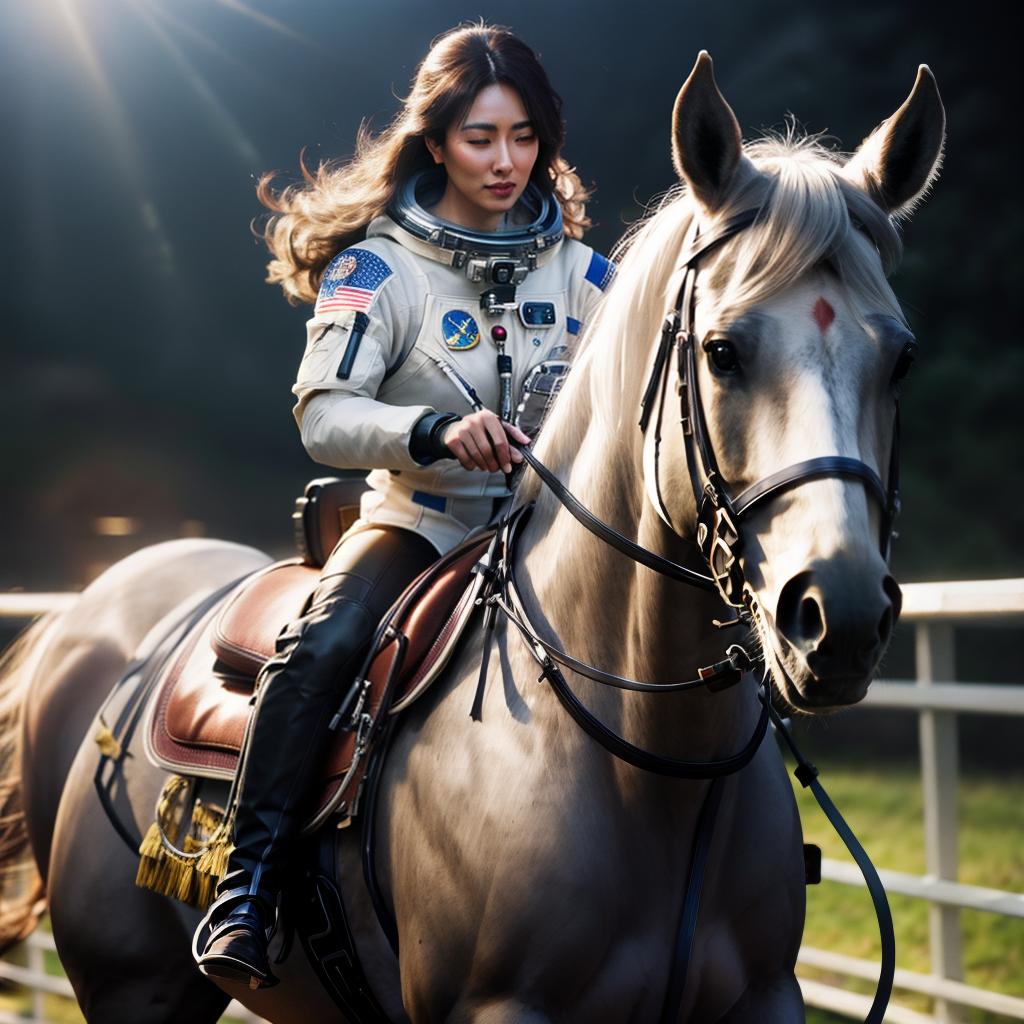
x=204, y=700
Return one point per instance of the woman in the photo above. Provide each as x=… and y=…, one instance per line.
x=455, y=311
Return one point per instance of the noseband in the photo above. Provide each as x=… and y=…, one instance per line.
x=719, y=515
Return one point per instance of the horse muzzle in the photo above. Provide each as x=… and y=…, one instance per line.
x=833, y=622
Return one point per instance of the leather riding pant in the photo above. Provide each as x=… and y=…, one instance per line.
x=298, y=692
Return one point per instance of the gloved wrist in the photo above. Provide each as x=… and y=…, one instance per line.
x=425, y=440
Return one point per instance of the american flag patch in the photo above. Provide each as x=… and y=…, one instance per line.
x=351, y=281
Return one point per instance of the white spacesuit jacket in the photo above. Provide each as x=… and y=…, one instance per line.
x=360, y=396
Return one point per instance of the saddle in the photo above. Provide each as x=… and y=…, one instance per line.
x=204, y=698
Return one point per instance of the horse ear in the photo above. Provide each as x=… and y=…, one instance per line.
x=897, y=163
x=706, y=141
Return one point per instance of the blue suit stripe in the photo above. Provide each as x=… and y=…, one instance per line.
x=600, y=272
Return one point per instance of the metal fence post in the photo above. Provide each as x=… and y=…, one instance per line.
x=937, y=730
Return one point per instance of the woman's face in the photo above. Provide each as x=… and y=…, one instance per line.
x=488, y=157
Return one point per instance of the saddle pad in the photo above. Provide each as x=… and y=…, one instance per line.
x=201, y=707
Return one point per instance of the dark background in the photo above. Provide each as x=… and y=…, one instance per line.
x=146, y=368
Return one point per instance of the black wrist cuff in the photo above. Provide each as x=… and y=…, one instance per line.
x=425, y=444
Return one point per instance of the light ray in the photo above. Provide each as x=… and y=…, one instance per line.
x=203, y=40
x=83, y=44
x=267, y=21
x=218, y=113
x=116, y=125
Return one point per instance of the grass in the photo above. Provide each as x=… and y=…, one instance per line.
x=883, y=806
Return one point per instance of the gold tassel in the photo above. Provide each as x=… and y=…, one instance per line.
x=205, y=821
x=105, y=740
x=191, y=874
x=162, y=870
x=211, y=865
x=150, y=857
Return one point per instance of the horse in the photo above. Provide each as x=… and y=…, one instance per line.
x=532, y=873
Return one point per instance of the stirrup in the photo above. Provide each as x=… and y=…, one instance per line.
x=217, y=924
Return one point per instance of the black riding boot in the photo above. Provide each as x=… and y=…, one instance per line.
x=299, y=690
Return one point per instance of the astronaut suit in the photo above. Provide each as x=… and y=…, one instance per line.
x=426, y=347
x=421, y=322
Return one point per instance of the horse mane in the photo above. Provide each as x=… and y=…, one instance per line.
x=809, y=214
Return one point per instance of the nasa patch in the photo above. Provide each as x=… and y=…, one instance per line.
x=460, y=330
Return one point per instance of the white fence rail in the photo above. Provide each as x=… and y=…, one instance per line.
x=935, y=609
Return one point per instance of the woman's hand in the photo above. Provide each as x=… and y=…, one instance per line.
x=480, y=441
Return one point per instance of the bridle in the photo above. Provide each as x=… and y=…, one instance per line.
x=720, y=541
x=719, y=515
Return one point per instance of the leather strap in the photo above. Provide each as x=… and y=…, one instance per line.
x=609, y=534
x=722, y=672
x=700, y=247
x=504, y=594
x=327, y=938
x=807, y=775
x=827, y=465
x=691, y=904
x=644, y=759
x=657, y=374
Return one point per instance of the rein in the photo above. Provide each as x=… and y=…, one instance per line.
x=608, y=533
x=502, y=592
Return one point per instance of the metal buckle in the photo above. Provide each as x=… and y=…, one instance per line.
x=363, y=732
x=719, y=541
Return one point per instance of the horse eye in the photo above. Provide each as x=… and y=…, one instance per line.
x=724, y=359
x=904, y=362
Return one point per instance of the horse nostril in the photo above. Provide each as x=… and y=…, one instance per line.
x=892, y=611
x=895, y=595
x=811, y=625
x=839, y=617
x=799, y=616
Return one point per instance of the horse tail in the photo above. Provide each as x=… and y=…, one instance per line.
x=22, y=891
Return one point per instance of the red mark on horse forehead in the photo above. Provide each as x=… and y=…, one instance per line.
x=823, y=314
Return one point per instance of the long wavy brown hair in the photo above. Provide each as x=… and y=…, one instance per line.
x=328, y=211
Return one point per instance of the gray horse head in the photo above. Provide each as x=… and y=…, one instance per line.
x=804, y=349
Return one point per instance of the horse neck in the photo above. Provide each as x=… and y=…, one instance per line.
x=603, y=608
